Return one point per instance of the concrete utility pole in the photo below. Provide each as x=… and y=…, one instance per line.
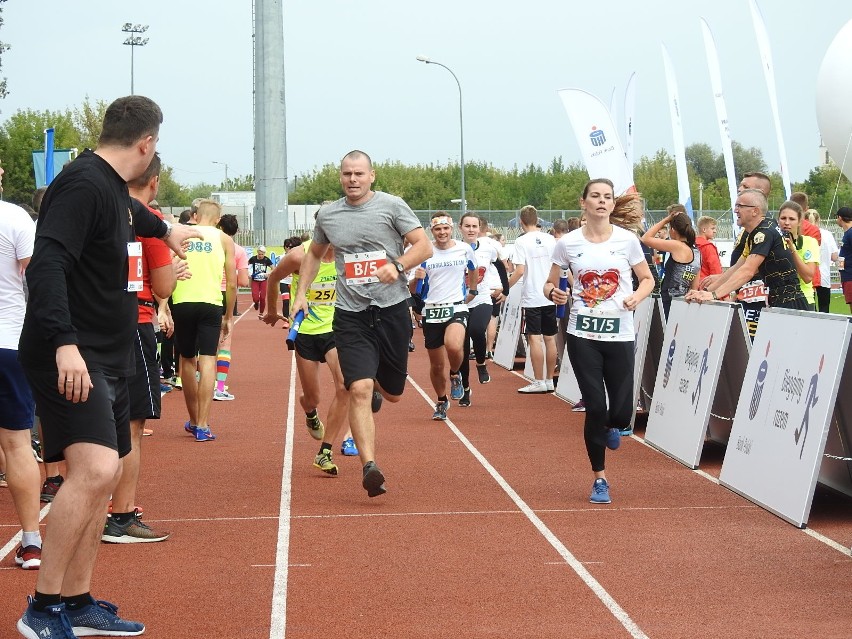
x=270, y=142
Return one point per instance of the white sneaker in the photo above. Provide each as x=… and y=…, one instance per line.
x=548, y=383
x=222, y=396
x=535, y=387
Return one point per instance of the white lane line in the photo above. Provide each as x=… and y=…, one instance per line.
x=278, y=625
x=616, y=610
x=16, y=538
x=822, y=538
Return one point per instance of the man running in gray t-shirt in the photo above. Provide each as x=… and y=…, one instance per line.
x=372, y=326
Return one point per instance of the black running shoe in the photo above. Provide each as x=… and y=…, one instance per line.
x=374, y=480
x=376, y=404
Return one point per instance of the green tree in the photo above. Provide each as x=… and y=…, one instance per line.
x=22, y=134
x=3, y=48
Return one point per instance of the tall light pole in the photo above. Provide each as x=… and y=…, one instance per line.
x=225, y=164
x=422, y=58
x=134, y=40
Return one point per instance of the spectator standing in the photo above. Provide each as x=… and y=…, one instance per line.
x=259, y=267
x=710, y=262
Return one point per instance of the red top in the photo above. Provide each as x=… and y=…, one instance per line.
x=710, y=263
x=811, y=229
x=155, y=254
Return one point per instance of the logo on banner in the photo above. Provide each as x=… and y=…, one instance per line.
x=702, y=369
x=811, y=400
x=758, y=384
x=597, y=137
x=670, y=359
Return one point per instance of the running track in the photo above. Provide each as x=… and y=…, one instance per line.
x=486, y=529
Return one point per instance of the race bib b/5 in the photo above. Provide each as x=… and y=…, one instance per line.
x=360, y=268
x=134, y=267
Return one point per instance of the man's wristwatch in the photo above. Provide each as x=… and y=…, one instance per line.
x=168, y=230
x=399, y=267
x=473, y=291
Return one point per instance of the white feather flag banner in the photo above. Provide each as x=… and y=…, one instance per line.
x=597, y=137
x=769, y=74
x=683, y=194
x=722, y=115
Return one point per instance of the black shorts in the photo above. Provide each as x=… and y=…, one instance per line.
x=433, y=334
x=314, y=347
x=496, y=309
x=373, y=344
x=104, y=418
x=197, y=328
x=144, y=386
x=17, y=408
x=540, y=320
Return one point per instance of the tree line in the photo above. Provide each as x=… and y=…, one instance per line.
x=556, y=186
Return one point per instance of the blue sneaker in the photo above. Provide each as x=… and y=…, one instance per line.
x=440, y=413
x=189, y=428
x=165, y=388
x=52, y=623
x=626, y=432
x=204, y=434
x=613, y=438
x=456, y=387
x=100, y=618
x=348, y=447
x=600, y=492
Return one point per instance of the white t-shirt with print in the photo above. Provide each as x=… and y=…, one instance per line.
x=602, y=281
x=486, y=273
x=17, y=236
x=534, y=251
x=827, y=246
x=446, y=271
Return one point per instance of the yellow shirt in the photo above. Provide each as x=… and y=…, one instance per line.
x=206, y=259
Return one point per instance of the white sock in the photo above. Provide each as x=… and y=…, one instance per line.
x=31, y=539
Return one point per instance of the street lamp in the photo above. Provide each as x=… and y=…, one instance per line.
x=422, y=58
x=225, y=164
x=133, y=41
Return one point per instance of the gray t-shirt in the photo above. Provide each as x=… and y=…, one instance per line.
x=361, y=236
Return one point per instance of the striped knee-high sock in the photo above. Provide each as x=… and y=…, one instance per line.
x=223, y=364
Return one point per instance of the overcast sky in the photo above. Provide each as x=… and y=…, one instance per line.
x=352, y=81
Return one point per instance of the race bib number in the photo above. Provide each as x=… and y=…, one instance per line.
x=596, y=324
x=438, y=313
x=322, y=294
x=754, y=291
x=360, y=268
x=134, y=267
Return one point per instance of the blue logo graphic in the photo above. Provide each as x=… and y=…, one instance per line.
x=597, y=137
x=758, y=384
x=670, y=359
x=810, y=401
x=702, y=369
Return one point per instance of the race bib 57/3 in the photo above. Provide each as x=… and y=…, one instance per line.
x=360, y=268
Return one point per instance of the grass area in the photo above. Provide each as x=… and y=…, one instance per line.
x=838, y=305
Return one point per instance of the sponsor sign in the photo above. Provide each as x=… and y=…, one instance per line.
x=510, y=328
x=693, y=347
x=785, y=410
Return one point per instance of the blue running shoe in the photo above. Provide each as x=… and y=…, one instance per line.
x=204, y=434
x=626, y=432
x=100, y=618
x=348, y=447
x=52, y=623
x=613, y=438
x=189, y=428
x=456, y=387
x=600, y=492
x=440, y=413
x=165, y=388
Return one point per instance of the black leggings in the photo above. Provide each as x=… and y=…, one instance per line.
x=603, y=369
x=477, y=327
x=823, y=298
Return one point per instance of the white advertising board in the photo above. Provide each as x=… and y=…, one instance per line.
x=785, y=409
x=693, y=346
x=510, y=328
x=567, y=387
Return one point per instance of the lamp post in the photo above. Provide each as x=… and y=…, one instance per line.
x=421, y=58
x=134, y=40
x=225, y=164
